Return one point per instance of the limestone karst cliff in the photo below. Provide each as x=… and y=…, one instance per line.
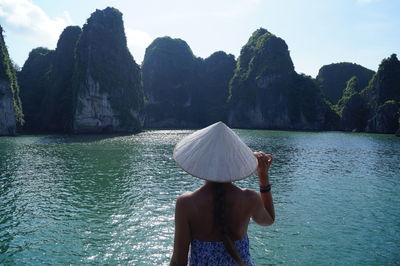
x=216, y=72
x=169, y=72
x=383, y=97
x=183, y=90
x=374, y=108
x=46, y=85
x=266, y=92
x=107, y=93
x=58, y=98
x=352, y=107
x=89, y=84
x=10, y=103
x=332, y=78
x=34, y=80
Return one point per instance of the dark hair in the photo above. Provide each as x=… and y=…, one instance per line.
x=219, y=219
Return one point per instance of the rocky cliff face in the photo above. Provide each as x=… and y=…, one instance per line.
x=332, y=78
x=182, y=90
x=46, y=85
x=34, y=81
x=56, y=111
x=7, y=114
x=375, y=108
x=95, y=113
x=385, y=119
x=89, y=84
x=383, y=97
x=352, y=107
x=169, y=83
x=107, y=90
x=216, y=72
x=10, y=104
x=354, y=114
x=267, y=93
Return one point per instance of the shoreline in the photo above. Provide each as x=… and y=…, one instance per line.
x=42, y=133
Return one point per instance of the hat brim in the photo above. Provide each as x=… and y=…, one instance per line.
x=215, y=153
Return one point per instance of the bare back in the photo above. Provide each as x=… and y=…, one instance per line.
x=238, y=209
x=194, y=212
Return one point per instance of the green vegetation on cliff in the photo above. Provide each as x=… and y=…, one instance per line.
x=385, y=84
x=261, y=58
x=332, y=78
x=383, y=97
x=46, y=84
x=90, y=83
x=182, y=90
x=266, y=92
x=34, y=80
x=305, y=100
x=169, y=72
x=8, y=73
x=354, y=113
x=58, y=97
x=217, y=71
x=352, y=87
x=104, y=66
x=374, y=108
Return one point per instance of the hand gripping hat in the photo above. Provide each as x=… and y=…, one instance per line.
x=215, y=153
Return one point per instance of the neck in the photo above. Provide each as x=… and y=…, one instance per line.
x=211, y=183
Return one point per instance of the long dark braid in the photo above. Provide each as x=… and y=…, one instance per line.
x=219, y=219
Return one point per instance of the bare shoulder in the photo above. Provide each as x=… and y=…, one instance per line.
x=251, y=195
x=184, y=200
x=184, y=197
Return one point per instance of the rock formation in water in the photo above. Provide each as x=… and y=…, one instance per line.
x=56, y=111
x=46, y=85
x=184, y=91
x=89, y=84
x=107, y=94
x=10, y=103
x=332, y=78
x=267, y=93
x=352, y=107
x=383, y=97
x=169, y=72
x=216, y=72
x=34, y=80
x=376, y=107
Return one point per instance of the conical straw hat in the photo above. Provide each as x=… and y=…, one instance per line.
x=215, y=153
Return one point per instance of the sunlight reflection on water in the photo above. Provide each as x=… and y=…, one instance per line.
x=101, y=199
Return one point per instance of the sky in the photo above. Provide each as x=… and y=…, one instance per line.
x=317, y=32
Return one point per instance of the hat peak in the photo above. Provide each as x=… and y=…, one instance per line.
x=219, y=124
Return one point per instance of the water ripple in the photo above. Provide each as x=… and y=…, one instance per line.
x=109, y=199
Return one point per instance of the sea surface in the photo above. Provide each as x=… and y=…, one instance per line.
x=110, y=199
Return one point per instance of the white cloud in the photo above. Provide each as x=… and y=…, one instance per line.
x=29, y=20
x=137, y=38
x=137, y=42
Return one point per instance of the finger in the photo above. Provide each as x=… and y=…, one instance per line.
x=257, y=154
x=259, y=158
x=270, y=158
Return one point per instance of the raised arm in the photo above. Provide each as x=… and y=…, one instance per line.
x=264, y=211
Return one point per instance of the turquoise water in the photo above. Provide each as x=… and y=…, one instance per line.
x=110, y=199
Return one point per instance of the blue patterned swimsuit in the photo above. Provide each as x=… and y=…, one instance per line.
x=214, y=253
